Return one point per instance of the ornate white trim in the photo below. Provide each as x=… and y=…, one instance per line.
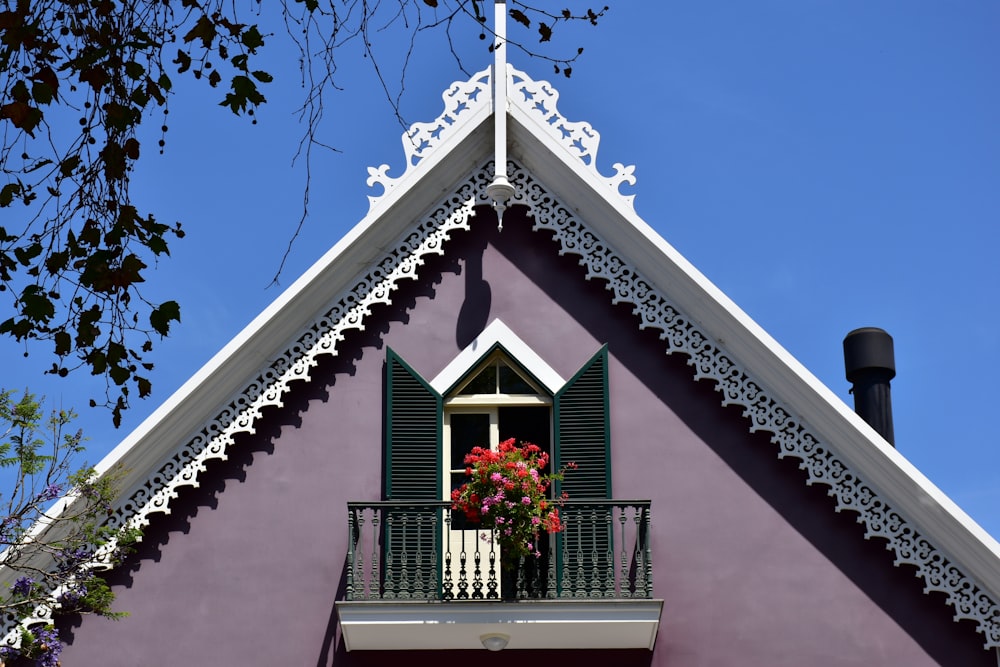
x=537, y=99
x=461, y=100
x=653, y=309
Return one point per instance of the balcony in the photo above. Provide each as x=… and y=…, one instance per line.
x=418, y=577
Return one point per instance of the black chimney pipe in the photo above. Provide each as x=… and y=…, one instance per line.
x=870, y=363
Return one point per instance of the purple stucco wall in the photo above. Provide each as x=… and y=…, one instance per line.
x=755, y=568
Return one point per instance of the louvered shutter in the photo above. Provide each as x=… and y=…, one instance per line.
x=414, y=434
x=413, y=475
x=583, y=431
x=585, y=566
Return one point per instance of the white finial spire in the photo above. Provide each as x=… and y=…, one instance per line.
x=500, y=190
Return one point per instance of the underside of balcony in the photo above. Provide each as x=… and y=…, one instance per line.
x=524, y=624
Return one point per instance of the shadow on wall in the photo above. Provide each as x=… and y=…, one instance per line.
x=475, y=311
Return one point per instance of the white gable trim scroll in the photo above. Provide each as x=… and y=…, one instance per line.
x=680, y=335
x=466, y=101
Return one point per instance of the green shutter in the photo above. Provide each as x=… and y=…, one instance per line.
x=413, y=474
x=583, y=431
x=413, y=428
x=584, y=562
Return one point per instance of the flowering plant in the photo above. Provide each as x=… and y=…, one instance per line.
x=508, y=493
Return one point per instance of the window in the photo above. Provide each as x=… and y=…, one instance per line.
x=415, y=456
x=487, y=395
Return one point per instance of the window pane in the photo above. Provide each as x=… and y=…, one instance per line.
x=526, y=424
x=468, y=429
x=484, y=383
x=512, y=383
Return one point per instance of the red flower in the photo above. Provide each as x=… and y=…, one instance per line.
x=518, y=500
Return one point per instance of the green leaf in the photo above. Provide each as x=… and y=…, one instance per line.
x=8, y=192
x=96, y=77
x=119, y=374
x=244, y=92
x=19, y=92
x=252, y=39
x=157, y=245
x=132, y=148
x=26, y=254
x=204, y=30
x=57, y=261
x=163, y=314
x=134, y=70
x=35, y=304
x=41, y=92
x=183, y=60
x=520, y=17
x=64, y=343
x=22, y=115
x=262, y=76
x=98, y=362
x=69, y=165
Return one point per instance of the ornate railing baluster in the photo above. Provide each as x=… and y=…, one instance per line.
x=552, y=591
x=357, y=567
x=390, y=561
x=463, y=571
x=624, y=587
x=447, y=585
x=592, y=586
x=644, y=575
x=608, y=565
x=373, y=575
x=351, y=531
x=492, y=582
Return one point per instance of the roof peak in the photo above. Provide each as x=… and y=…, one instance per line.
x=469, y=103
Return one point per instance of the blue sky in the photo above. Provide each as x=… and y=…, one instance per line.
x=829, y=165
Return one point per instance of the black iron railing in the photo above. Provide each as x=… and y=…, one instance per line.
x=421, y=551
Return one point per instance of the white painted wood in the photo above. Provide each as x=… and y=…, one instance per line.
x=531, y=624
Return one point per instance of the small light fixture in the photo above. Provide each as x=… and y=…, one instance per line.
x=494, y=641
x=500, y=191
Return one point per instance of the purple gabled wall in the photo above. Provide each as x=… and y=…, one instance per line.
x=755, y=568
